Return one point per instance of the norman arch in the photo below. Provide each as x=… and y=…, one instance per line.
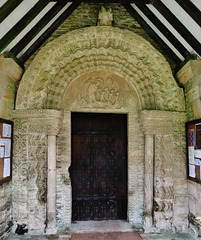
x=101, y=48
x=99, y=70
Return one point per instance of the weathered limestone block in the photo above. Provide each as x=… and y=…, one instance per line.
x=5, y=210
x=10, y=74
x=190, y=78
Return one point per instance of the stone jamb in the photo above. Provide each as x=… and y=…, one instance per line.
x=135, y=180
x=51, y=185
x=47, y=122
x=155, y=123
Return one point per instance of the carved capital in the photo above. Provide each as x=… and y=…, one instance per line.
x=41, y=121
x=155, y=122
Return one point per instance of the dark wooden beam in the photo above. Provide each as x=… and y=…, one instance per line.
x=24, y=21
x=164, y=47
x=181, y=29
x=191, y=9
x=106, y=1
x=164, y=30
x=8, y=7
x=37, y=28
x=48, y=33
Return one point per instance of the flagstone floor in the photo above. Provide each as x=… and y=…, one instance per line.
x=104, y=230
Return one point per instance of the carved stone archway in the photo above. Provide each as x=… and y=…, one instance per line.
x=96, y=69
x=101, y=48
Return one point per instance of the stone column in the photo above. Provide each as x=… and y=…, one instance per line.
x=148, y=182
x=10, y=74
x=51, y=186
x=189, y=76
x=44, y=125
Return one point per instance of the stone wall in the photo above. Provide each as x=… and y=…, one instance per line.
x=10, y=74
x=190, y=78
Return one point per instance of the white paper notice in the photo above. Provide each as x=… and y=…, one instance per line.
x=198, y=153
x=191, y=155
x=192, y=171
x=6, y=130
x=197, y=162
x=1, y=152
x=6, y=169
x=7, y=144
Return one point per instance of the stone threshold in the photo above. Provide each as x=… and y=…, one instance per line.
x=101, y=226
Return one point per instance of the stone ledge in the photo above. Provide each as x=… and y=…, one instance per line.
x=37, y=113
x=41, y=121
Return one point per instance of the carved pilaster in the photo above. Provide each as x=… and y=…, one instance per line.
x=51, y=186
x=148, y=182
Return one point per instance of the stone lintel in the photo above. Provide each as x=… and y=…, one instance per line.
x=189, y=72
x=46, y=120
x=160, y=122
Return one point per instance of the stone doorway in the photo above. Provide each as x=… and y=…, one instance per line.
x=99, y=166
x=70, y=75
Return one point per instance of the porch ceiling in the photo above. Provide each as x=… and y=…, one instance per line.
x=175, y=25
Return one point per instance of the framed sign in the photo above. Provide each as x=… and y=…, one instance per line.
x=193, y=143
x=6, y=143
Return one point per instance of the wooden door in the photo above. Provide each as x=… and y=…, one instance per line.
x=99, y=166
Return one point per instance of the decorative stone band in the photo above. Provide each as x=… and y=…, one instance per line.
x=102, y=48
x=47, y=121
x=155, y=122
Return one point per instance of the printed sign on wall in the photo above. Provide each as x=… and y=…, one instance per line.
x=193, y=141
x=6, y=139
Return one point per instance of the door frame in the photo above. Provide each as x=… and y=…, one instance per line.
x=135, y=158
x=126, y=146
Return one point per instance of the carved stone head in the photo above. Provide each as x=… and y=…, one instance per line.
x=105, y=17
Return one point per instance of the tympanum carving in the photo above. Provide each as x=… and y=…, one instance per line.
x=100, y=92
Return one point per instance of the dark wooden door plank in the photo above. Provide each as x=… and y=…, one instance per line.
x=99, y=166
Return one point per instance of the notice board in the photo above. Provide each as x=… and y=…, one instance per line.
x=193, y=140
x=6, y=143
